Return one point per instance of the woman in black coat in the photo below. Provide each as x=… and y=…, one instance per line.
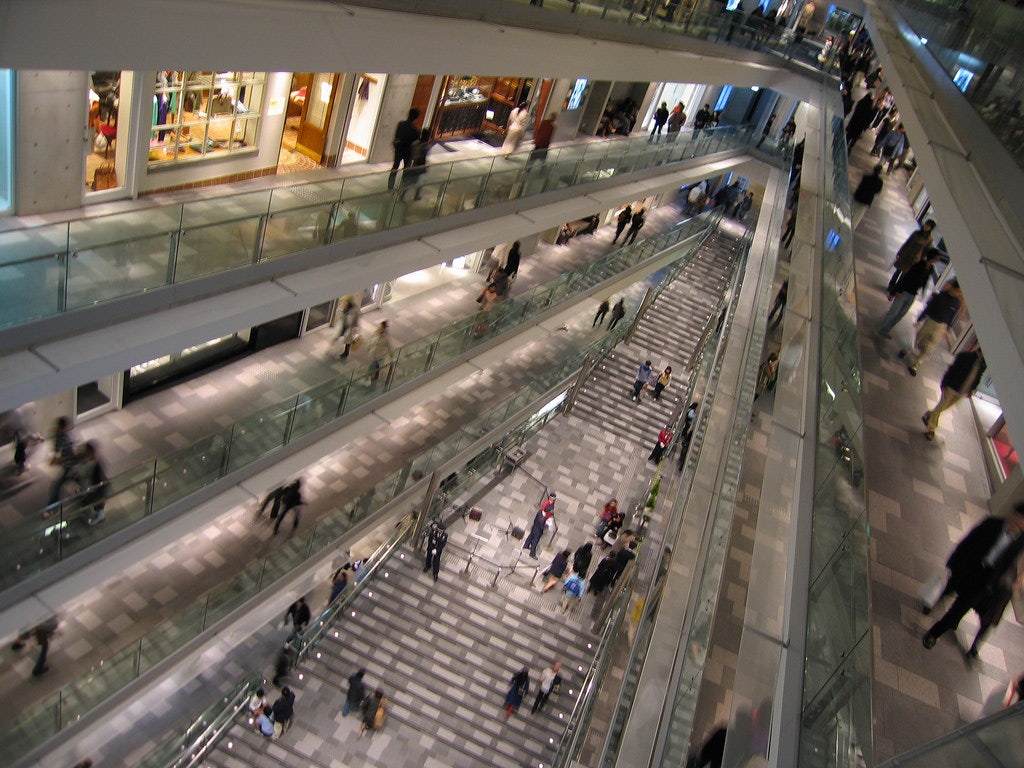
x=603, y=576
x=556, y=569
x=581, y=559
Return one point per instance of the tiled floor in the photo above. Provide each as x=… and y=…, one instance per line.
x=922, y=497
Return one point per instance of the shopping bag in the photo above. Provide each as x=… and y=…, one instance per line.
x=357, y=343
x=931, y=590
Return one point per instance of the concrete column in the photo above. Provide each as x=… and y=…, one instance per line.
x=53, y=110
x=394, y=107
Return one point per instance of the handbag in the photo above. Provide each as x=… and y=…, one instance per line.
x=931, y=590
x=357, y=343
x=380, y=715
x=105, y=177
x=610, y=537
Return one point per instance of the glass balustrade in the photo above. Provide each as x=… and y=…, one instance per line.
x=62, y=530
x=41, y=722
x=978, y=44
x=836, y=717
x=55, y=268
x=734, y=28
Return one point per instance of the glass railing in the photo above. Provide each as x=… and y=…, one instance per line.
x=55, y=268
x=579, y=718
x=836, y=717
x=978, y=44
x=63, y=530
x=707, y=371
x=41, y=722
x=71, y=702
x=734, y=28
x=192, y=745
x=993, y=742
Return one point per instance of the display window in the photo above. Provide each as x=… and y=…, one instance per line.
x=470, y=105
x=198, y=115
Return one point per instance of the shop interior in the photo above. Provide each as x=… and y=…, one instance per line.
x=105, y=158
x=311, y=102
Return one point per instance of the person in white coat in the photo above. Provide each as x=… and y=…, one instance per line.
x=518, y=119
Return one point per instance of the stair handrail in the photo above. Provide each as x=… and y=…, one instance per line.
x=305, y=641
x=202, y=734
x=578, y=721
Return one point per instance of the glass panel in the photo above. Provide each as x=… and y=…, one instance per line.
x=171, y=635
x=501, y=187
x=31, y=729
x=206, y=250
x=461, y=195
x=257, y=436
x=296, y=230
x=121, y=269
x=29, y=288
x=188, y=470
x=316, y=407
x=371, y=212
x=115, y=673
x=412, y=360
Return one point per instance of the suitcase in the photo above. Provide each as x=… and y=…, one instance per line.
x=475, y=514
x=518, y=533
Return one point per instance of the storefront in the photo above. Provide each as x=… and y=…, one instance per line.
x=474, y=106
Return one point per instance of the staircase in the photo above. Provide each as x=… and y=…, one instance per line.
x=443, y=653
x=667, y=334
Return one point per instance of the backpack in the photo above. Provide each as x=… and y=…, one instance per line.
x=574, y=585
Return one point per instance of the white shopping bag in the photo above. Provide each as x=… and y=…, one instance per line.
x=931, y=590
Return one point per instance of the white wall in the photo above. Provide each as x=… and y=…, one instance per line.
x=364, y=113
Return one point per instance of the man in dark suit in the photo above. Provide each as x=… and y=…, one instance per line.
x=977, y=568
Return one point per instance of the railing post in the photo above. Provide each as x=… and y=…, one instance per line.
x=644, y=303
x=570, y=399
x=431, y=354
x=390, y=377
x=425, y=509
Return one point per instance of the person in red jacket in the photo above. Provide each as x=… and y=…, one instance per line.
x=542, y=136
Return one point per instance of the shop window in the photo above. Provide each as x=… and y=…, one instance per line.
x=6, y=141
x=199, y=115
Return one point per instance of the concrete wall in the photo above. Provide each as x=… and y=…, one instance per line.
x=393, y=110
x=51, y=130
